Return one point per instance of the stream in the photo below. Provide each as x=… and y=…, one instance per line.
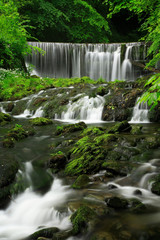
x=50, y=204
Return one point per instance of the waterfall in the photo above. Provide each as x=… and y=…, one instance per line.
x=30, y=211
x=85, y=109
x=140, y=113
x=66, y=60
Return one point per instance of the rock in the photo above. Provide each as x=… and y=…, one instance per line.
x=57, y=161
x=117, y=203
x=81, y=219
x=137, y=207
x=111, y=186
x=4, y=118
x=43, y=233
x=40, y=121
x=8, y=170
x=136, y=130
x=137, y=192
x=70, y=128
x=8, y=142
x=156, y=185
x=120, y=127
x=81, y=182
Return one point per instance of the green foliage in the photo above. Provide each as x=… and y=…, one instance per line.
x=13, y=36
x=16, y=84
x=152, y=95
x=149, y=17
x=65, y=20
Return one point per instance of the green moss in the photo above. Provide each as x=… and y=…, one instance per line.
x=81, y=218
x=16, y=134
x=81, y=182
x=40, y=121
x=70, y=128
x=123, y=126
x=4, y=118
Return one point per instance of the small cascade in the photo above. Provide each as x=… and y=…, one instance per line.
x=107, y=61
x=2, y=109
x=85, y=109
x=30, y=212
x=140, y=113
x=141, y=182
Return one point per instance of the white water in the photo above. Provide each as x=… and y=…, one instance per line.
x=66, y=60
x=31, y=211
x=140, y=113
x=141, y=179
x=85, y=109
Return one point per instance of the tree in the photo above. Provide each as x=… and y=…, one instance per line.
x=13, y=36
x=65, y=20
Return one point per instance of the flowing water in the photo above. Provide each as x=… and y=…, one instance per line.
x=66, y=60
x=140, y=113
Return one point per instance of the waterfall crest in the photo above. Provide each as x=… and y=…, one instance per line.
x=107, y=61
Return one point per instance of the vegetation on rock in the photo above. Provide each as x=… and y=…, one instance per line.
x=40, y=121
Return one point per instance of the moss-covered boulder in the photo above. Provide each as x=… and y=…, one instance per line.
x=123, y=126
x=156, y=185
x=8, y=170
x=43, y=233
x=81, y=182
x=70, y=128
x=4, y=118
x=17, y=133
x=81, y=219
x=137, y=206
x=57, y=161
x=136, y=129
x=40, y=121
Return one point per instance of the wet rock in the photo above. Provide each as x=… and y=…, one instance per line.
x=120, y=127
x=9, y=107
x=117, y=203
x=38, y=101
x=57, y=161
x=45, y=233
x=4, y=118
x=136, y=130
x=111, y=186
x=17, y=133
x=151, y=142
x=136, y=206
x=40, y=121
x=137, y=192
x=71, y=128
x=156, y=185
x=8, y=170
x=81, y=219
x=81, y=182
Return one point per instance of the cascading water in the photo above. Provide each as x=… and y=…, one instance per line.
x=140, y=113
x=85, y=109
x=29, y=211
x=94, y=60
x=141, y=181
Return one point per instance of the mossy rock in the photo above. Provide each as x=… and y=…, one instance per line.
x=57, y=161
x=4, y=118
x=81, y=218
x=40, y=121
x=8, y=142
x=156, y=185
x=45, y=233
x=17, y=133
x=136, y=130
x=123, y=126
x=70, y=128
x=117, y=203
x=137, y=206
x=81, y=182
